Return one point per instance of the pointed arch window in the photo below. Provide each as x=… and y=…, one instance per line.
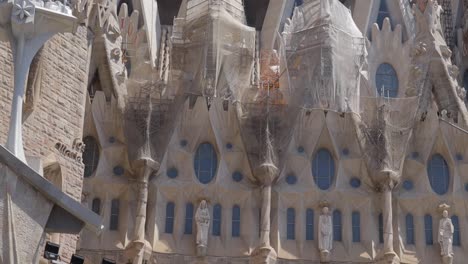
x=383, y=13
x=90, y=156
x=216, y=220
x=115, y=212
x=310, y=224
x=428, y=229
x=386, y=81
x=456, y=231
x=188, y=219
x=169, y=227
x=409, y=229
x=439, y=175
x=291, y=224
x=381, y=240
x=205, y=163
x=337, y=235
x=356, y=226
x=323, y=169
x=235, y=230
x=96, y=206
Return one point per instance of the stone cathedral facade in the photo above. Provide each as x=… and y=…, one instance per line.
x=241, y=131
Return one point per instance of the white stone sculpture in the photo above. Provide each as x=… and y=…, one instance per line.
x=202, y=217
x=325, y=236
x=445, y=238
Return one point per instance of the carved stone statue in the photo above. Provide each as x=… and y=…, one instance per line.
x=445, y=237
x=325, y=236
x=202, y=217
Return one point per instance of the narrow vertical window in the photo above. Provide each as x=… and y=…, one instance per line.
x=383, y=13
x=356, y=226
x=169, y=228
x=439, y=174
x=456, y=231
x=114, y=217
x=90, y=156
x=337, y=236
x=428, y=229
x=381, y=228
x=205, y=163
x=290, y=224
x=188, y=219
x=216, y=220
x=310, y=224
x=409, y=229
x=96, y=206
x=235, y=232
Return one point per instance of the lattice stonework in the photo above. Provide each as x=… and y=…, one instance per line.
x=447, y=23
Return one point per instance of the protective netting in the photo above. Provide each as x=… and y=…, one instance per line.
x=325, y=54
x=385, y=126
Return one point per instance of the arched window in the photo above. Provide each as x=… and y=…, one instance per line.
x=96, y=206
x=323, y=169
x=465, y=83
x=310, y=224
x=383, y=13
x=438, y=172
x=235, y=231
x=456, y=231
x=205, y=163
x=188, y=219
x=169, y=227
x=291, y=224
x=428, y=229
x=114, y=217
x=129, y=6
x=337, y=236
x=356, y=226
x=386, y=81
x=217, y=220
x=409, y=229
x=90, y=156
x=381, y=228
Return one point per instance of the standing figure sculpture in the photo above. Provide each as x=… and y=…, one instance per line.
x=202, y=217
x=325, y=234
x=445, y=238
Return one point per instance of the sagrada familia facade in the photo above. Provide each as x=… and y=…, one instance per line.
x=233, y=131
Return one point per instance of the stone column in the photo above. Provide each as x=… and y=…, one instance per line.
x=145, y=168
x=386, y=188
x=265, y=224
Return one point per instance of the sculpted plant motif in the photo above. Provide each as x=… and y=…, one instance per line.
x=22, y=10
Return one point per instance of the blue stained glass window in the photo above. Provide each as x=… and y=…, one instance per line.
x=291, y=179
x=235, y=221
x=216, y=231
x=355, y=182
x=205, y=163
x=337, y=236
x=386, y=81
x=96, y=206
x=114, y=217
x=188, y=219
x=90, y=156
x=383, y=13
x=172, y=173
x=291, y=224
x=323, y=169
x=409, y=229
x=381, y=238
x=408, y=185
x=237, y=176
x=438, y=172
x=310, y=224
x=456, y=231
x=428, y=229
x=356, y=226
x=169, y=228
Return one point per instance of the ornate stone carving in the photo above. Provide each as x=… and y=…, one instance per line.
x=445, y=235
x=202, y=217
x=74, y=153
x=325, y=236
x=23, y=11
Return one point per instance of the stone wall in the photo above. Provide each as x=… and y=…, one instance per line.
x=58, y=115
